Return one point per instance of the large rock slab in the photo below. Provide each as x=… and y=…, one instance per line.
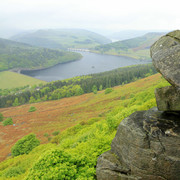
x=165, y=54
x=168, y=98
x=146, y=146
x=109, y=167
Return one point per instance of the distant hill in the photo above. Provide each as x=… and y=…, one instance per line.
x=62, y=38
x=19, y=55
x=127, y=34
x=136, y=47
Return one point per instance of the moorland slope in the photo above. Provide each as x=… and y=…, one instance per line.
x=93, y=119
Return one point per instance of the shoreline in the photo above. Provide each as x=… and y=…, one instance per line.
x=126, y=56
x=20, y=70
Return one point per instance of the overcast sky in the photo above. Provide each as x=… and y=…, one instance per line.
x=107, y=15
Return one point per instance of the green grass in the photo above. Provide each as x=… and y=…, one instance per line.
x=10, y=80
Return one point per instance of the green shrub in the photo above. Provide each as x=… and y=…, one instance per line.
x=25, y=145
x=32, y=109
x=54, y=164
x=100, y=88
x=55, y=133
x=73, y=130
x=59, y=164
x=8, y=121
x=1, y=117
x=108, y=90
x=54, y=140
x=93, y=120
x=111, y=123
x=14, y=171
x=49, y=138
x=82, y=123
x=94, y=89
x=46, y=134
x=123, y=97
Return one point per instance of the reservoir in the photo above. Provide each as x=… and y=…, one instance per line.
x=90, y=63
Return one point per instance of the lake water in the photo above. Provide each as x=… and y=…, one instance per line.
x=90, y=63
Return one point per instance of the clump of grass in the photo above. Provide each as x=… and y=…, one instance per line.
x=108, y=90
x=8, y=121
x=55, y=133
x=46, y=134
x=32, y=109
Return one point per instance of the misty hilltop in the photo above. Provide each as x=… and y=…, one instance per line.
x=62, y=38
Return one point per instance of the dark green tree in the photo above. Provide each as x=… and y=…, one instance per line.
x=1, y=117
x=100, y=87
x=16, y=102
x=94, y=89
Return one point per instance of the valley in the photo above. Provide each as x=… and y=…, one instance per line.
x=89, y=90
x=74, y=118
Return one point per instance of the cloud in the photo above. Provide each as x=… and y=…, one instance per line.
x=114, y=14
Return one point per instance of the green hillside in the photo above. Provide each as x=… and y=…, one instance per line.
x=73, y=153
x=136, y=47
x=19, y=55
x=62, y=38
x=11, y=80
x=77, y=85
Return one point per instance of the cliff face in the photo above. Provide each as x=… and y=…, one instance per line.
x=147, y=143
x=146, y=146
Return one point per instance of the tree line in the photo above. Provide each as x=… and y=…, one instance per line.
x=19, y=55
x=78, y=85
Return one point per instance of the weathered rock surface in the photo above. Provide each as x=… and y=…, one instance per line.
x=165, y=54
x=147, y=143
x=168, y=98
x=146, y=146
x=109, y=167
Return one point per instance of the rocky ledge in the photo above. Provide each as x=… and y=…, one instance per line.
x=146, y=146
x=147, y=143
x=165, y=54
